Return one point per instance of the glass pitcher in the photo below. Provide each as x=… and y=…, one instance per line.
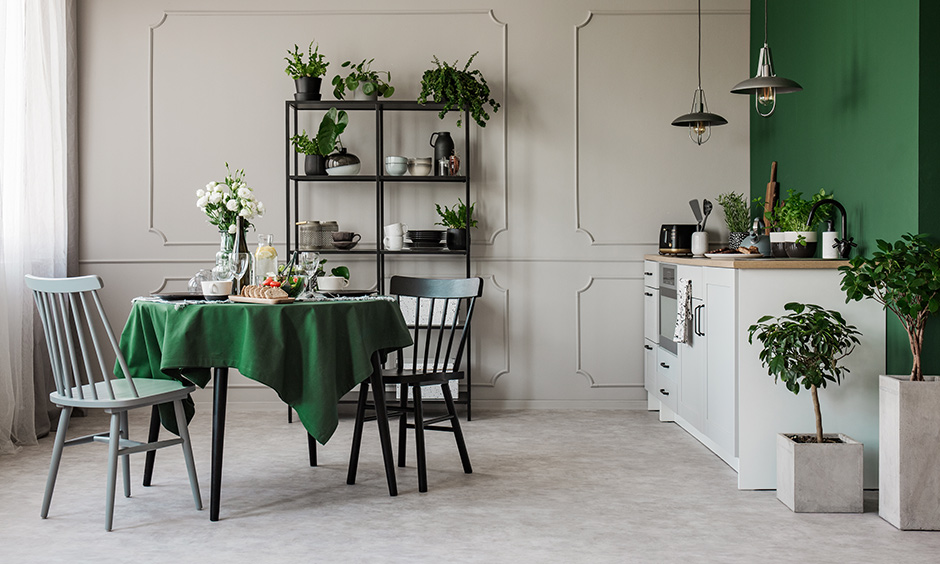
x=265, y=258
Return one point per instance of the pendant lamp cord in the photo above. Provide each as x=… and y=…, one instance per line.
x=700, y=43
x=765, y=21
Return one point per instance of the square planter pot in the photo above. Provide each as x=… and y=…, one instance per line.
x=820, y=478
x=909, y=453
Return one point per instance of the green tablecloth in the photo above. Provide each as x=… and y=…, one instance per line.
x=311, y=353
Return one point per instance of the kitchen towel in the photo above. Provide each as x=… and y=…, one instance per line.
x=683, y=311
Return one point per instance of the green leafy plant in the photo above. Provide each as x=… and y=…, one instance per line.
x=737, y=215
x=456, y=218
x=458, y=89
x=362, y=74
x=340, y=271
x=332, y=125
x=314, y=67
x=804, y=348
x=793, y=213
x=905, y=279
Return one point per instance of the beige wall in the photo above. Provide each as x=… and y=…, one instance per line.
x=573, y=176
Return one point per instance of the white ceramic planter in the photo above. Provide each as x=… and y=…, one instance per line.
x=820, y=477
x=909, y=453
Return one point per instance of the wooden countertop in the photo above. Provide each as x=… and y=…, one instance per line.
x=761, y=263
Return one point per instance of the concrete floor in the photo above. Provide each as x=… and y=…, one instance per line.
x=548, y=486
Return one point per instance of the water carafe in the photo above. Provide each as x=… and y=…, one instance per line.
x=265, y=258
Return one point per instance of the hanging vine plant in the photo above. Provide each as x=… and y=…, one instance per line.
x=458, y=90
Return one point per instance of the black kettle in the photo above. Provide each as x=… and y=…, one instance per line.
x=443, y=146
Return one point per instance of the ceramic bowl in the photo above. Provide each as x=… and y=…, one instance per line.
x=419, y=166
x=396, y=168
x=396, y=160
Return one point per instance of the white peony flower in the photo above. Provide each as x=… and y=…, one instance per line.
x=233, y=229
x=246, y=213
x=231, y=205
x=211, y=186
x=201, y=202
x=200, y=193
x=260, y=209
x=215, y=197
x=244, y=192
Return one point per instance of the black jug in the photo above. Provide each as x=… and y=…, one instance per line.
x=443, y=146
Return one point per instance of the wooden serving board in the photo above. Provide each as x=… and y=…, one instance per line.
x=247, y=300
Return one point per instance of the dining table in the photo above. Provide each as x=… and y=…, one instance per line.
x=310, y=352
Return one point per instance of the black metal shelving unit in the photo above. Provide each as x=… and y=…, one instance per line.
x=294, y=180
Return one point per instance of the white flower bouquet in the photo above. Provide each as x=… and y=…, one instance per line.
x=223, y=202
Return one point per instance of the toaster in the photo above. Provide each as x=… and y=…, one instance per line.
x=676, y=239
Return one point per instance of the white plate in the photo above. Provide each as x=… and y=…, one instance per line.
x=732, y=256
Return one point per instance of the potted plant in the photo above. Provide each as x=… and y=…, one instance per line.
x=458, y=90
x=363, y=82
x=307, y=74
x=337, y=280
x=815, y=473
x=904, y=278
x=456, y=220
x=737, y=217
x=334, y=122
x=792, y=216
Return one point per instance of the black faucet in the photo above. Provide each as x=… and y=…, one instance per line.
x=844, y=244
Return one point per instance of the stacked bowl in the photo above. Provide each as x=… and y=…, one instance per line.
x=396, y=166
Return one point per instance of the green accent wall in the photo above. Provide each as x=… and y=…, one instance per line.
x=865, y=125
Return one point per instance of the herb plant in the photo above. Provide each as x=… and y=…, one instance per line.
x=455, y=218
x=804, y=347
x=364, y=75
x=793, y=213
x=332, y=125
x=457, y=90
x=737, y=215
x=314, y=67
x=905, y=279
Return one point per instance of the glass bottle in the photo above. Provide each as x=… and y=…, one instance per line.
x=265, y=258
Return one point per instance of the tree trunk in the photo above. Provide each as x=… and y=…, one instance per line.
x=917, y=342
x=819, y=432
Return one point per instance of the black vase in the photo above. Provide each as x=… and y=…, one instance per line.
x=315, y=165
x=308, y=88
x=457, y=239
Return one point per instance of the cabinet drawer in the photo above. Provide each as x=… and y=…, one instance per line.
x=667, y=391
x=667, y=365
x=651, y=274
x=651, y=314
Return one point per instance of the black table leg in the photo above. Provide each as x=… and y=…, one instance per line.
x=152, y=438
x=378, y=397
x=218, y=435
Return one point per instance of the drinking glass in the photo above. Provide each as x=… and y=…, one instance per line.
x=240, y=263
x=309, y=262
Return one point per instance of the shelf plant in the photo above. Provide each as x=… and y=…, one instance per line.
x=306, y=74
x=362, y=75
x=333, y=124
x=458, y=89
x=456, y=220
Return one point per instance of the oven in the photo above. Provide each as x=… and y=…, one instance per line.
x=667, y=307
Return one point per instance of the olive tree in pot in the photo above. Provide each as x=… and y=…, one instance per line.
x=307, y=74
x=317, y=149
x=904, y=278
x=457, y=220
x=819, y=473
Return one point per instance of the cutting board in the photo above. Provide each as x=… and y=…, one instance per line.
x=773, y=193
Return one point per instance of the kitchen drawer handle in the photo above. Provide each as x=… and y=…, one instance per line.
x=647, y=347
x=664, y=365
x=664, y=391
x=647, y=294
x=647, y=274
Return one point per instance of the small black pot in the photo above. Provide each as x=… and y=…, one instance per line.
x=315, y=165
x=796, y=250
x=456, y=239
x=308, y=88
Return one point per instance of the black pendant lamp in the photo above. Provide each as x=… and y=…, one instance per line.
x=699, y=121
x=766, y=85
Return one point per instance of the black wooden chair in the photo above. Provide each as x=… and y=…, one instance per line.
x=441, y=324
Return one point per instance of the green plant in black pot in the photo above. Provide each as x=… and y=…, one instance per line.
x=803, y=349
x=306, y=74
x=458, y=90
x=334, y=122
x=456, y=220
x=362, y=75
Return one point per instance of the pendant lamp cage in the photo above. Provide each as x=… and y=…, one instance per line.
x=699, y=120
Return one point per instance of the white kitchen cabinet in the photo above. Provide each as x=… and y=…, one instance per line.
x=717, y=389
x=650, y=330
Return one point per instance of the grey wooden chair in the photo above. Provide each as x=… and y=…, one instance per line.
x=443, y=309
x=73, y=319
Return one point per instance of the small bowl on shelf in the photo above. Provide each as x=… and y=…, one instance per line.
x=396, y=166
x=419, y=166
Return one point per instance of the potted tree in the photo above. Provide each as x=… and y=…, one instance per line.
x=307, y=74
x=458, y=90
x=334, y=122
x=737, y=217
x=456, y=220
x=819, y=473
x=904, y=278
x=363, y=82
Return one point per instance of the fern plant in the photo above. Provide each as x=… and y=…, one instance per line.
x=458, y=90
x=456, y=218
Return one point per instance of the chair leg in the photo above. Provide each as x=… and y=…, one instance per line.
x=419, y=441
x=126, y=458
x=357, y=432
x=152, y=437
x=403, y=425
x=113, y=444
x=458, y=434
x=57, y=447
x=290, y=414
x=312, y=449
x=183, y=428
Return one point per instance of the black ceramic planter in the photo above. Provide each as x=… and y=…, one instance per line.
x=308, y=89
x=796, y=250
x=314, y=165
x=457, y=239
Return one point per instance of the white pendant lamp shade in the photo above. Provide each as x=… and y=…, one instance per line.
x=699, y=120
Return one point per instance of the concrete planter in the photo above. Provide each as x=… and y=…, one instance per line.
x=909, y=453
x=820, y=478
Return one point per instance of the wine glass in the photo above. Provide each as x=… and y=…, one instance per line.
x=309, y=262
x=240, y=262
